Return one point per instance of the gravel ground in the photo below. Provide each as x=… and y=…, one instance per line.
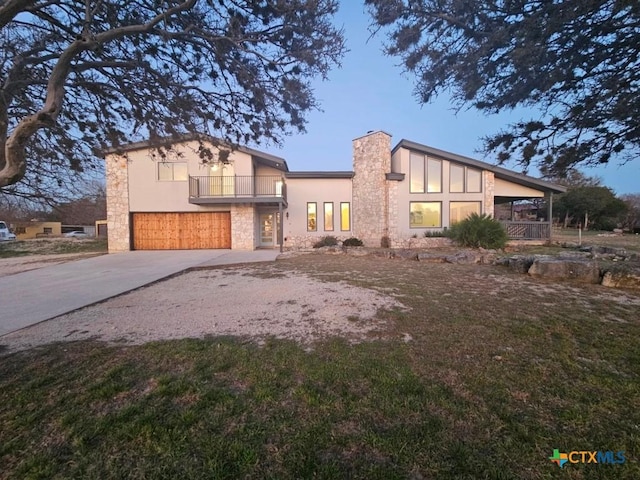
x=249, y=302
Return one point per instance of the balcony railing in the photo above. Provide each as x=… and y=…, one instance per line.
x=527, y=230
x=239, y=186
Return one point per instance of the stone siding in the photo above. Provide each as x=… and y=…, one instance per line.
x=118, y=218
x=242, y=227
x=489, y=188
x=306, y=242
x=371, y=161
x=421, y=242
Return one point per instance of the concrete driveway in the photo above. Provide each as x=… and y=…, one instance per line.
x=37, y=295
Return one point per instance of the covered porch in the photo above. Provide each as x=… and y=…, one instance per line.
x=525, y=208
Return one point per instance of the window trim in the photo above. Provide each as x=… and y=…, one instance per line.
x=348, y=205
x=438, y=202
x=413, y=155
x=477, y=202
x=315, y=219
x=439, y=162
x=324, y=211
x=173, y=174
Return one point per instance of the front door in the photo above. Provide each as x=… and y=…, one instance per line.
x=268, y=229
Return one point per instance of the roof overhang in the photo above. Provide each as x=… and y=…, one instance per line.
x=499, y=172
x=260, y=157
x=319, y=175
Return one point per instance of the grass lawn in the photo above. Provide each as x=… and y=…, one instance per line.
x=486, y=374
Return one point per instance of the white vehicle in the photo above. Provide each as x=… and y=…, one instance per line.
x=5, y=233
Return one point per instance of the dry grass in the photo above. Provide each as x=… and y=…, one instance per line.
x=484, y=375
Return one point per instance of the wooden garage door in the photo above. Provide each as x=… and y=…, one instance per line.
x=181, y=231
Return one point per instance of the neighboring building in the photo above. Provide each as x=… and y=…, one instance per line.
x=28, y=230
x=249, y=199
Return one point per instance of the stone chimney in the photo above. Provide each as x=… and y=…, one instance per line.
x=371, y=163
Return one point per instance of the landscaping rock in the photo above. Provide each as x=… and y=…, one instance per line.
x=465, y=257
x=432, y=257
x=574, y=269
x=622, y=277
x=521, y=263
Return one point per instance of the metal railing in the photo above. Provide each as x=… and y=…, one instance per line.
x=237, y=186
x=527, y=230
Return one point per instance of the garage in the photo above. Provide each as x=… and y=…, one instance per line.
x=181, y=231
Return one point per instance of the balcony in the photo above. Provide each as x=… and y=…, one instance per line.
x=263, y=189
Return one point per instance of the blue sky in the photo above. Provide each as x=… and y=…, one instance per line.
x=370, y=92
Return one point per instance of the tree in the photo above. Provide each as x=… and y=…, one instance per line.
x=595, y=207
x=577, y=61
x=632, y=216
x=77, y=77
x=86, y=210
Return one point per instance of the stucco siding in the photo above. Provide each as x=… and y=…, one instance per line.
x=148, y=194
x=301, y=191
x=504, y=188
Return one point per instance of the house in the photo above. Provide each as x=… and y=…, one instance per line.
x=36, y=229
x=245, y=199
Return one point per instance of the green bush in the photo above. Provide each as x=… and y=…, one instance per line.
x=436, y=233
x=352, y=242
x=327, y=241
x=479, y=231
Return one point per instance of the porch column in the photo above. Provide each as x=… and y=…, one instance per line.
x=280, y=228
x=549, y=196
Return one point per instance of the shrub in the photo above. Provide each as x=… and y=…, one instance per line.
x=385, y=242
x=328, y=241
x=352, y=242
x=479, y=231
x=436, y=233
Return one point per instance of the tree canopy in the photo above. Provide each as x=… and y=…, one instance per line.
x=77, y=77
x=578, y=62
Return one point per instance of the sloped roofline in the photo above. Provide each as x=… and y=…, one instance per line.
x=261, y=157
x=499, y=172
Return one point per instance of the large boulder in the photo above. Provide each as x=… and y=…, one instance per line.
x=622, y=277
x=564, y=268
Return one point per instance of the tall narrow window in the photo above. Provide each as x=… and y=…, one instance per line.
x=328, y=217
x=425, y=214
x=456, y=178
x=474, y=180
x=345, y=216
x=416, y=173
x=312, y=217
x=434, y=176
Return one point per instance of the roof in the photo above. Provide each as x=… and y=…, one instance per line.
x=319, y=174
x=261, y=157
x=499, y=172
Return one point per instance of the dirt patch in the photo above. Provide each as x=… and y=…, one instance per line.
x=244, y=301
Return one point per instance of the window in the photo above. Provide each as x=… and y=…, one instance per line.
x=328, y=217
x=345, y=216
x=425, y=214
x=460, y=210
x=474, y=180
x=172, y=171
x=434, y=176
x=456, y=178
x=47, y=230
x=416, y=173
x=312, y=219
x=464, y=179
